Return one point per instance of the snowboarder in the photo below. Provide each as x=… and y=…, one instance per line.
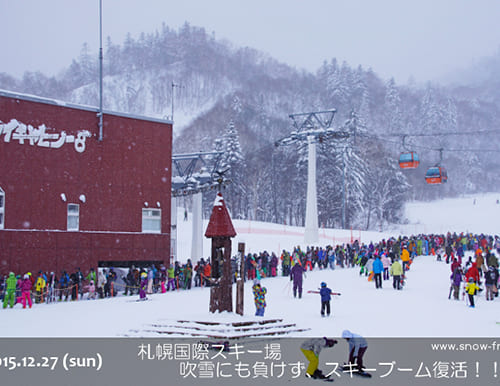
x=296, y=274
x=311, y=349
x=259, y=294
x=357, y=349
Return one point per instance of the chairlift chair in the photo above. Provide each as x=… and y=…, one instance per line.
x=436, y=175
x=409, y=160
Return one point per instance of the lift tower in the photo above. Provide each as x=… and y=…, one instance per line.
x=195, y=173
x=312, y=128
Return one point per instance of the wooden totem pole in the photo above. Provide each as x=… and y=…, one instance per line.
x=220, y=229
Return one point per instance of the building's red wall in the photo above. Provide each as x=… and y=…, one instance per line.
x=118, y=176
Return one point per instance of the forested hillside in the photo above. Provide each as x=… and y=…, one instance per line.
x=239, y=100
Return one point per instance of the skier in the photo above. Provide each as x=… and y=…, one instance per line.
x=471, y=288
x=357, y=349
x=326, y=296
x=296, y=275
x=311, y=349
x=259, y=294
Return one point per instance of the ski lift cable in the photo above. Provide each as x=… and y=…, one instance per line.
x=432, y=148
x=445, y=133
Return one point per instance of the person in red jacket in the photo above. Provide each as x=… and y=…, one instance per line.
x=473, y=273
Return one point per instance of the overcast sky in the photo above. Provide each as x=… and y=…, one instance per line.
x=400, y=38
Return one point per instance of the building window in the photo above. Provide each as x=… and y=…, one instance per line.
x=73, y=217
x=151, y=220
x=2, y=208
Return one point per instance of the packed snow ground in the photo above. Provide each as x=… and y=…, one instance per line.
x=421, y=309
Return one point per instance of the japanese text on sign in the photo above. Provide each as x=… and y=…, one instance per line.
x=17, y=131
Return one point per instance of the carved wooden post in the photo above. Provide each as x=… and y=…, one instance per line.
x=220, y=229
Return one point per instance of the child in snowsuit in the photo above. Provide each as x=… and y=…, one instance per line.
x=471, y=288
x=357, y=348
x=325, y=293
x=143, y=286
x=259, y=294
x=91, y=290
x=311, y=349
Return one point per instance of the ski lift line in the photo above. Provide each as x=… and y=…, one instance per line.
x=433, y=134
x=437, y=149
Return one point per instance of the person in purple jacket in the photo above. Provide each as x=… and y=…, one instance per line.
x=296, y=275
x=456, y=280
x=143, y=286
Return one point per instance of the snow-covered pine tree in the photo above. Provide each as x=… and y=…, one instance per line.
x=234, y=161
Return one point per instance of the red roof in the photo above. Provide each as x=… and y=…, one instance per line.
x=220, y=224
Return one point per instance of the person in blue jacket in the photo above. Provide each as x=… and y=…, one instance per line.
x=378, y=268
x=326, y=296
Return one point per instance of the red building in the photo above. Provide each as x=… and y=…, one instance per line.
x=68, y=199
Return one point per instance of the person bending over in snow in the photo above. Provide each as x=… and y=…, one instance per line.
x=311, y=349
x=357, y=348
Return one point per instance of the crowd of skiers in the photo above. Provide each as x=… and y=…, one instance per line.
x=379, y=261
x=481, y=267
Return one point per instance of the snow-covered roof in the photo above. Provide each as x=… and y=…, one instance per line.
x=220, y=224
x=49, y=101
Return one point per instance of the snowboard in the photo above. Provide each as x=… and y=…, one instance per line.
x=327, y=379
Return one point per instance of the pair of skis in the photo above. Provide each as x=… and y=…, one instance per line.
x=317, y=292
